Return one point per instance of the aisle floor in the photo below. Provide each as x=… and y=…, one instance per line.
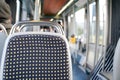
x=78, y=74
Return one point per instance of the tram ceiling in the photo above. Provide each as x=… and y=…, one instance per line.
x=50, y=8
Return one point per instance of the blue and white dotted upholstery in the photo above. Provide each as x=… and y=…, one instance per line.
x=37, y=57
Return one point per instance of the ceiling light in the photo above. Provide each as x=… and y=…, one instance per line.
x=51, y=19
x=64, y=7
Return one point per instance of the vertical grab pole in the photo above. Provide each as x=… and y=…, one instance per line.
x=37, y=13
x=88, y=31
x=17, y=11
x=105, y=17
x=97, y=33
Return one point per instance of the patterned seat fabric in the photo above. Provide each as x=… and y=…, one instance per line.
x=36, y=57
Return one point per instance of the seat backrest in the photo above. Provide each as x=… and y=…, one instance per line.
x=116, y=62
x=3, y=36
x=2, y=42
x=36, y=56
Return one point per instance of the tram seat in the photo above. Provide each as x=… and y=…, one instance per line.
x=3, y=36
x=116, y=62
x=36, y=56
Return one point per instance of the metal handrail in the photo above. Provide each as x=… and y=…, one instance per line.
x=20, y=25
x=3, y=28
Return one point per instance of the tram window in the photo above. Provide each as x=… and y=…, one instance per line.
x=101, y=21
x=92, y=35
x=80, y=27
